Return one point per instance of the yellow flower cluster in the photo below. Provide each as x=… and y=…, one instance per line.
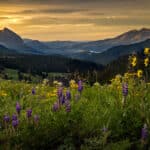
x=45, y=81
x=73, y=84
x=3, y=94
x=147, y=53
x=128, y=75
x=133, y=61
x=52, y=94
x=56, y=83
x=139, y=74
x=116, y=82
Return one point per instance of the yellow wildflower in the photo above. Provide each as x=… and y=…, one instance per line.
x=60, y=84
x=45, y=81
x=134, y=61
x=51, y=94
x=127, y=75
x=118, y=78
x=139, y=73
x=72, y=81
x=147, y=51
x=118, y=87
x=73, y=84
x=146, y=61
x=96, y=84
x=48, y=94
x=55, y=91
x=55, y=82
x=3, y=94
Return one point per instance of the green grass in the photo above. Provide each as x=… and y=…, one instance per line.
x=11, y=73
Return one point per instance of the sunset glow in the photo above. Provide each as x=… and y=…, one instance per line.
x=73, y=20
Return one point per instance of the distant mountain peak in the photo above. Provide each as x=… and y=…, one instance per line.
x=8, y=32
x=138, y=30
x=6, y=29
x=135, y=35
x=145, y=29
x=11, y=40
x=35, y=44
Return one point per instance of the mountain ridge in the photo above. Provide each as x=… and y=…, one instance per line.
x=129, y=37
x=118, y=51
x=9, y=37
x=73, y=49
x=14, y=42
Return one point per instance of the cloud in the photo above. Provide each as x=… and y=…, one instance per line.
x=83, y=3
x=55, y=11
x=3, y=18
x=69, y=1
x=73, y=18
x=105, y=20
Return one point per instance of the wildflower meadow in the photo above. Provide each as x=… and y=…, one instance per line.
x=113, y=116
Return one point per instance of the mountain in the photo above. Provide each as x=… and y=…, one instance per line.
x=102, y=51
x=37, y=45
x=54, y=47
x=130, y=37
x=4, y=51
x=12, y=41
x=63, y=45
x=77, y=49
x=116, y=52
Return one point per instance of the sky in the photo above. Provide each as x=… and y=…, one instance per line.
x=76, y=20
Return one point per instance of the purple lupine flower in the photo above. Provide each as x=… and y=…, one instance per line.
x=18, y=107
x=15, y=123
x=144, y=132
x=68, y=106
x=60, y=92
x=33, y=91
x=36, y=118
x=125, y=89
x=62, y=99
x=29, y=113
x=68, y=95
x=80, y=86
x=14, y=117
x=6, y=118
x=55, y=106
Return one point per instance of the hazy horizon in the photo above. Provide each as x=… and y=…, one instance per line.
x=27, y=38
x=69, y=20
